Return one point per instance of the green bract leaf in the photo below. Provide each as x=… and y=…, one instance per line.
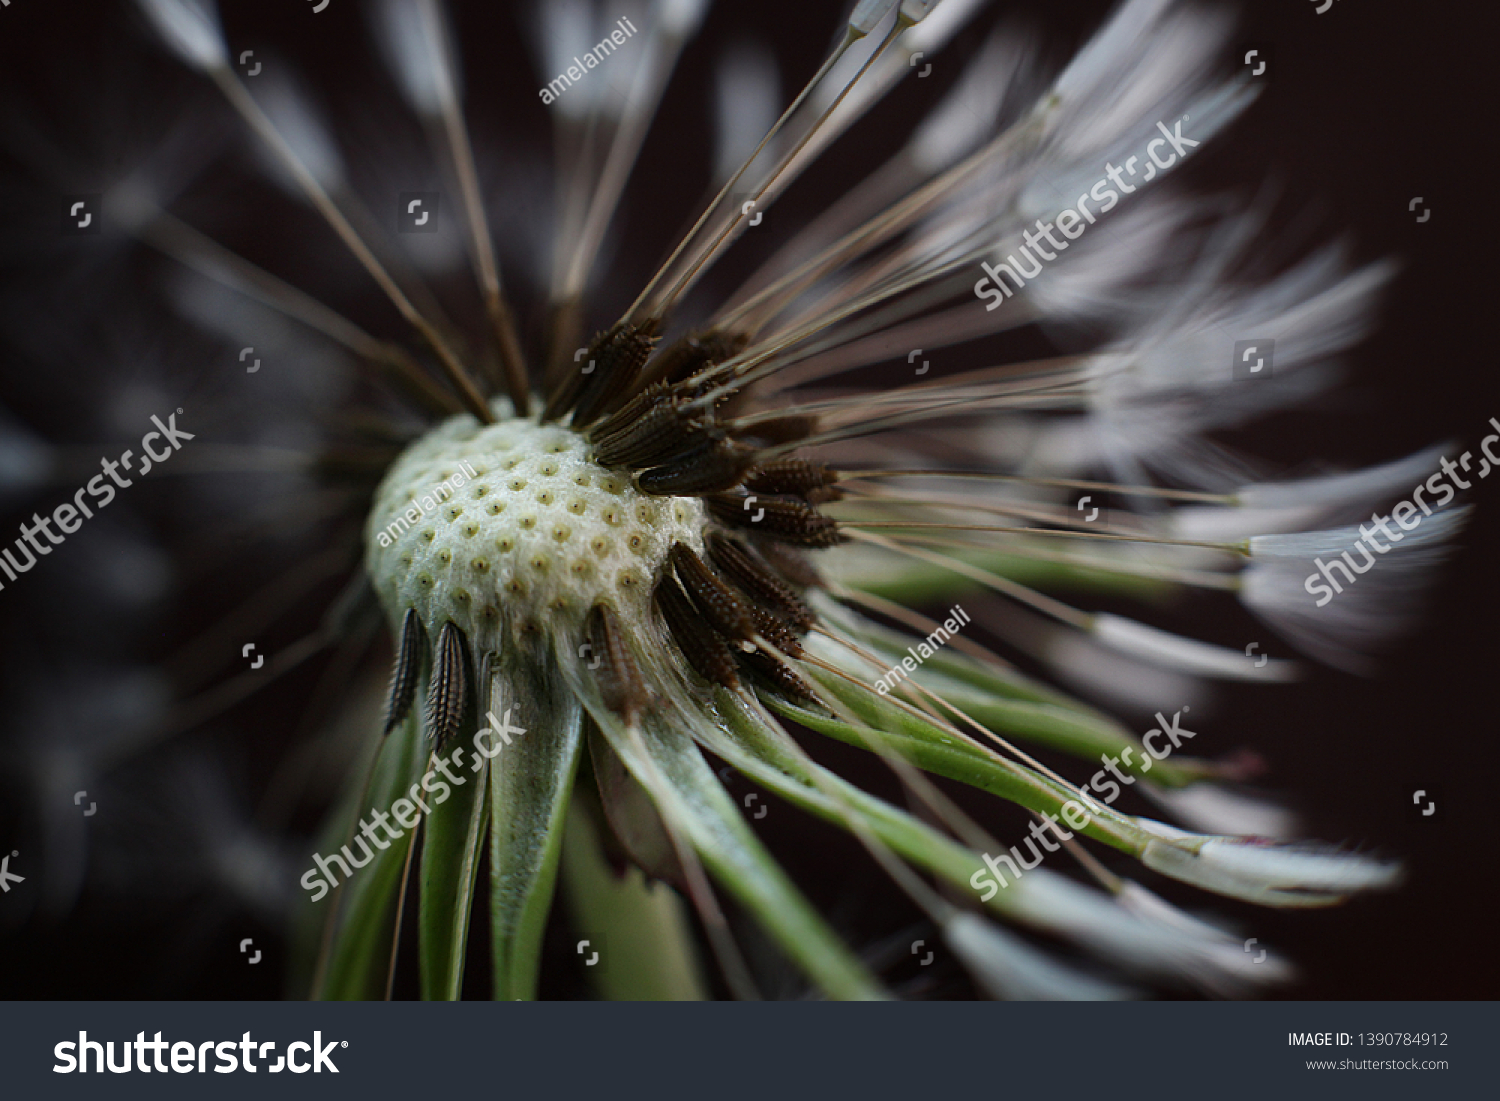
x=696, y=803
x=450, y=865
x=1245, y=868
x=1007, y=701
x=642, y=927
x=1043, y=900
x=359, y=952
x=531, y=780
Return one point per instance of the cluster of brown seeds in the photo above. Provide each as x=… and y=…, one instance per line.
x=733, y=605
x=654, y=418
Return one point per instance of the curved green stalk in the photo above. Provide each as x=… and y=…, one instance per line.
x=531, y=779
x=456, y=829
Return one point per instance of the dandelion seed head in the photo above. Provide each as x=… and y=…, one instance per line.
x=667, y=510
x=567, y=535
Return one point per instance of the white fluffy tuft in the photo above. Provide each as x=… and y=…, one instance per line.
x=747, y=97
x=1352, y=625
x=1264, y=872
x=190, y=29
x=1186, y=655
x=414, y=39
x=1212, y=809
x=1010, y=969
x=298, y=121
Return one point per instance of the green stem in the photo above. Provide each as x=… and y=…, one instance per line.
x=641, y=930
